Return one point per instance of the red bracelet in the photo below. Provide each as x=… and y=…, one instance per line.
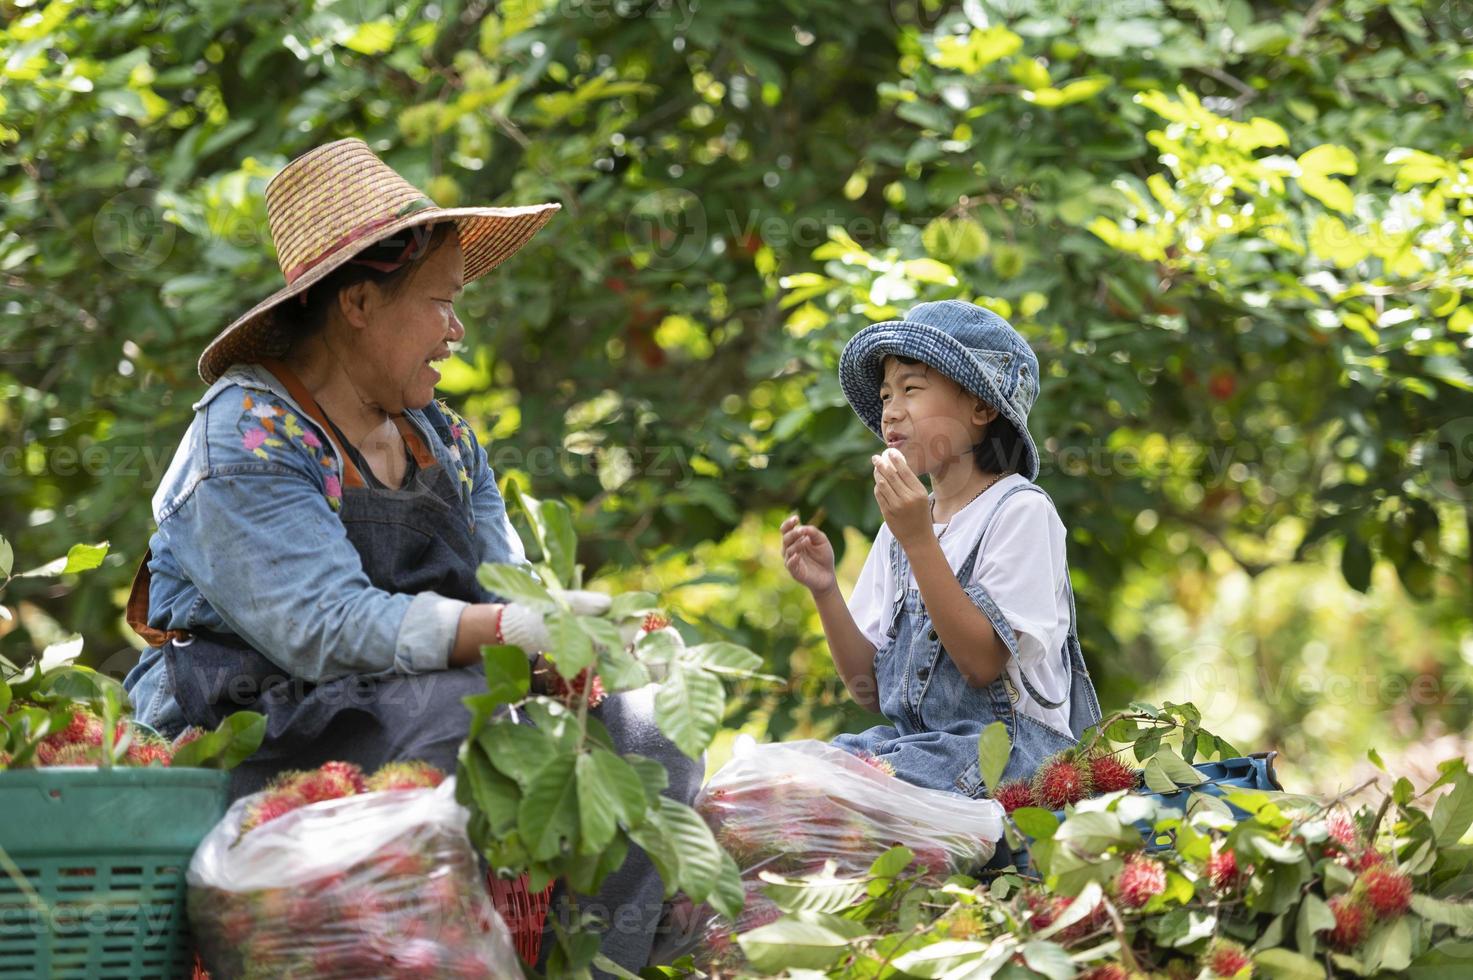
x=499, y=638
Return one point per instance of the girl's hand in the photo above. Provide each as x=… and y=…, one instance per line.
x=809, y=556
x=904, y=503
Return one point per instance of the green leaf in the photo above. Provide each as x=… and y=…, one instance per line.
x=1036, y=822
x=1155, y=778
x=508, y=674
x=372, y=37
x=560, y=541
x=1459, y=915
x=700, y=857
x=519, y=751
x=724, y=658
x=235, y=739
x=615, y=785
x=7, y=558
x=620, y=670
x=1049, y=959
x=796, y=943
x=892, y=862
x=514, y=583
x=1178, y=769
x=79, y=558
x=688, y=708
x=495, y=795
x=1314, y=916
x=572, y=647
x=597, y=823
x=1389, y=947
x=1453, y=812
x=627, y=605
x=950, y=955
x=993, y=749
x=1285, y=964
x=1082, y=905
x=813, y=893
x=1096, y=830
x=549, y=813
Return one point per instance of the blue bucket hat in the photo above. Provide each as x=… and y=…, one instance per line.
x=974, y=347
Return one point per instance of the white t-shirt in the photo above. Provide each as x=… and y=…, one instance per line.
x=1021, y=565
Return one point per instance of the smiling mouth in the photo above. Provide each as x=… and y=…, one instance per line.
x=894, y=440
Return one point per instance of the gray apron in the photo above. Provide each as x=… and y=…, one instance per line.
x=414, y=539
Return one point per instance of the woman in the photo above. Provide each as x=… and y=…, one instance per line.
x=320, y=526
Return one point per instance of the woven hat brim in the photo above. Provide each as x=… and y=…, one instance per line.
x=860, y=365
x=488, y=237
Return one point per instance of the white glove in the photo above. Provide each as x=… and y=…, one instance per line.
x=526, y=627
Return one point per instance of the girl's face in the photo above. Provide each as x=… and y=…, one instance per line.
x=931, y=419
x=401, y=335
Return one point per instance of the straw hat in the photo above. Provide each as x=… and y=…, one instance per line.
x=331, y=203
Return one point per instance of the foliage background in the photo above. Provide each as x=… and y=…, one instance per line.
x=1236, y=233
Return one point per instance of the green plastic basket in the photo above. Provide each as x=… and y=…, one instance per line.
x=101, y=856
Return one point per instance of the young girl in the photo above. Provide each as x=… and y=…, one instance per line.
x=963, y=614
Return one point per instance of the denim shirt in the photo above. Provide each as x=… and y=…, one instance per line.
x=249, y=542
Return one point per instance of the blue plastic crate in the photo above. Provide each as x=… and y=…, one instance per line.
x=1254, y=771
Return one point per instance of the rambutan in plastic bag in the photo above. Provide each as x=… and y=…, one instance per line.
x=804, y=807
x=379, y=884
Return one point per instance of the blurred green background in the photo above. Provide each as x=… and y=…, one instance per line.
x=1236, y=234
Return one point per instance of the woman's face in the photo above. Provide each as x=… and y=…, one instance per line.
x=402, y=334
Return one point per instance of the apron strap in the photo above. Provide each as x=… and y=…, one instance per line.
x=137, y=612
x=351, y=476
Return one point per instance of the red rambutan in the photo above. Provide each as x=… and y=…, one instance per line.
x=569, y=692
x=654, y=621
x=1228, y=960
x=1388, y=891
x=1109, y=774
x=191, y=734
x=273, y=804
x=1062, y=779
x=346, y=770
x=1350, y=922
x=1222, y=870
x=145, y=750
x=876, y=763
x=1014, y=793
x=404, y=775
x=1342, y=829
x=1106, y=971
x=1140, y=880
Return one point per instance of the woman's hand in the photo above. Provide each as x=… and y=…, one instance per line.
x=904, y=503
x=526, y=627
x=809, y=556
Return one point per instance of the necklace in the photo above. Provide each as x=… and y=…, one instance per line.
x=964, y=506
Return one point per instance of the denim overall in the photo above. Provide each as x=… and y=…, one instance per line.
x=936, y=716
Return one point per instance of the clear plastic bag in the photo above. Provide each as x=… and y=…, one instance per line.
x=373, y=885
x=795, y=807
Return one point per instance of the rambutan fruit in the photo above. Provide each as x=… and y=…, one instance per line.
x=1109, y=774
x=1351, y=922
x=1140, y=880
x=1062, y=779
x=323, y=783
x=191, y=734
x=1106, y=971
x=1228, y=960
x=1014, y=793
x=1388, y=892
x=1342, y=829
x=146, y=750
x=569, y=692
x=883, y=766
x=271, y=805
x=346, y=770
x=77, y=754
x=1222, y=870
x=404, y=775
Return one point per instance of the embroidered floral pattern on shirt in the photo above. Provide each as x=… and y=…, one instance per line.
x=462, y=448
x=265, y=425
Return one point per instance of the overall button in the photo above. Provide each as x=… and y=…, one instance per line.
x=931, y=636
x=923, y=673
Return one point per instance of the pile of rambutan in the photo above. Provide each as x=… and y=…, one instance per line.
x=415, y=907
x=332, y=781
x=81, y=743
x=1067, y=777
